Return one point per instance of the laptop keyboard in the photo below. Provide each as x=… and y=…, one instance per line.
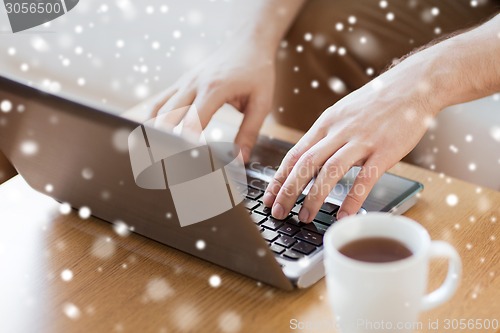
x=288, y=238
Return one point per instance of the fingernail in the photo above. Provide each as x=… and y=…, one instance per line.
x=304, y=214
x=268, y=199
x=278, y=211
x=341, y=215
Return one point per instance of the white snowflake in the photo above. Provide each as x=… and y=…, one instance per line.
x=49, y=188
x=71, y=311
x=39, y=44
x=216, y=134
x=452, y=200
x=195, y=153
x=87, y=173
x=158, y=289
x=84, y=212
x=6, y=106
x=176, y=34
x=214, y=281
x=67, y=275
x=337, y=85
x=141, y=91
x=155, y=45
x=65, y=208
x=230, y=322
x=103, y=248
x=121, y=228
x=453, y=149
x=200, y=244
x=495, y=133
x=29, y=147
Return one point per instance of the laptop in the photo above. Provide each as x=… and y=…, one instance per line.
x=77, y=154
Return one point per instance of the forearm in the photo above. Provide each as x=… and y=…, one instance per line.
x=467, y=66
x=268, y=23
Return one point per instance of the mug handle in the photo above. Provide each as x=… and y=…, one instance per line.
x=440, y=249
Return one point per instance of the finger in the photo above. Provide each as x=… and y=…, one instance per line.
x=304, y=170
x=171, y=113
x=367, y=177
x=254, y=116
x=164, y=99
x=330, y=174
x=289, y=161
x=204, y=107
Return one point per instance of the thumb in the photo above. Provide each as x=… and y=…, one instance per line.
x=254, y=116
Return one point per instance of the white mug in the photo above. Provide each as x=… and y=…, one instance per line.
x=385, y=297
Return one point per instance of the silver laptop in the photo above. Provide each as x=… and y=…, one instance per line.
x=76, y=149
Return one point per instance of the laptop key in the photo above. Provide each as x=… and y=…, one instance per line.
x=291, y=254
x=301, y=198
x=272, y=224
x=256, y=183
x=294, y=219
x=269, y=235
x=258, y=218
x=304, y=247
x=296, y=209
x=289, y=229
x=277, y=248
x=310, y=237
x=316, y=227
x=285, y=241
x=262, y=209
x=329, y=208
x=325, y=218
x=254, y=193
x=249, y=204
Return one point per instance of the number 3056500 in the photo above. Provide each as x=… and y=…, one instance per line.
x=33, y=8
x=470, y=324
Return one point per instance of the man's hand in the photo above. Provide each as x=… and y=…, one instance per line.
x=377, y=125
x=373, y=127
x=239, y=74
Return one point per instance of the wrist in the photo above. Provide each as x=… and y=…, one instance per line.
x=464, y=67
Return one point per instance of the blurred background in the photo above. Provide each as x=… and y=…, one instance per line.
x=119, y=53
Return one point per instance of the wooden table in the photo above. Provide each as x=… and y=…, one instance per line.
x=63, y=274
